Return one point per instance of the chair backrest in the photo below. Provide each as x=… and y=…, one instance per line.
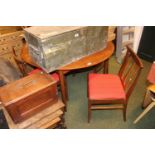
x=130, y=71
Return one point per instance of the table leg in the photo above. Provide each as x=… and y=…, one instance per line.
x=106, y=65
x=63, y=88
x=66, y=88
x=102, y=66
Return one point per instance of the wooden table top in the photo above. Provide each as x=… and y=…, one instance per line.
x=92, y=59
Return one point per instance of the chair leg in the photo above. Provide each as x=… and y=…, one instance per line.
x=106, y=63
x=89, y=111
x=63, y=88
x=149, y=107
x=147, y=99
x=66, y=88
x=124, y=113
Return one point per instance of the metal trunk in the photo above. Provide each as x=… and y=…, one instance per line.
x=55, y=46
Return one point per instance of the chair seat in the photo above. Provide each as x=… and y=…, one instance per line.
x=105, y=87
x=55, y=76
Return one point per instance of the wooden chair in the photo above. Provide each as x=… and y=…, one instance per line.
x=24, y=59
x=20, y=63
x=149, y=98
x=149, y=102
x=108, y=91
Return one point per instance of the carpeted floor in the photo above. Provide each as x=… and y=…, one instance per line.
x=76, y=115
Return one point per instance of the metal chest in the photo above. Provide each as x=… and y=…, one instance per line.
x=52, y=47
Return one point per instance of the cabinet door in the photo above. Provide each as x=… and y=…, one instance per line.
x=146, y=48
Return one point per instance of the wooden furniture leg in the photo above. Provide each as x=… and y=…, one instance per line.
x=147, y=99
x=21, y=65
x=63, y=88
x=66, y=87
x=144, y=112
x=102, y=66
x=106, y=63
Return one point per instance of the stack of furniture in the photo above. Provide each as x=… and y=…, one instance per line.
x=51, y=117
x=32, y=102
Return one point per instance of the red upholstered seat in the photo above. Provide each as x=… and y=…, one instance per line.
x=151, y=75
x=55, y=76
x=35, y=71
x=105, y=87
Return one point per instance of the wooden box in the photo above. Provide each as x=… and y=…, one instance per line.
x=52, y=47
x=29, y=95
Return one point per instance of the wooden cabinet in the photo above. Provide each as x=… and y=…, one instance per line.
x=29, y=95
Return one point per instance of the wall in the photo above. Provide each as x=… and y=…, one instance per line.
x=137, y=37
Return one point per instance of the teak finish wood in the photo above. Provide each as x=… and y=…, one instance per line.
x=46, y=118
x=29, y=95
x=128, y=74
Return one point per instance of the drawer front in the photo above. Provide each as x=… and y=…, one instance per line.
x=31, y=105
